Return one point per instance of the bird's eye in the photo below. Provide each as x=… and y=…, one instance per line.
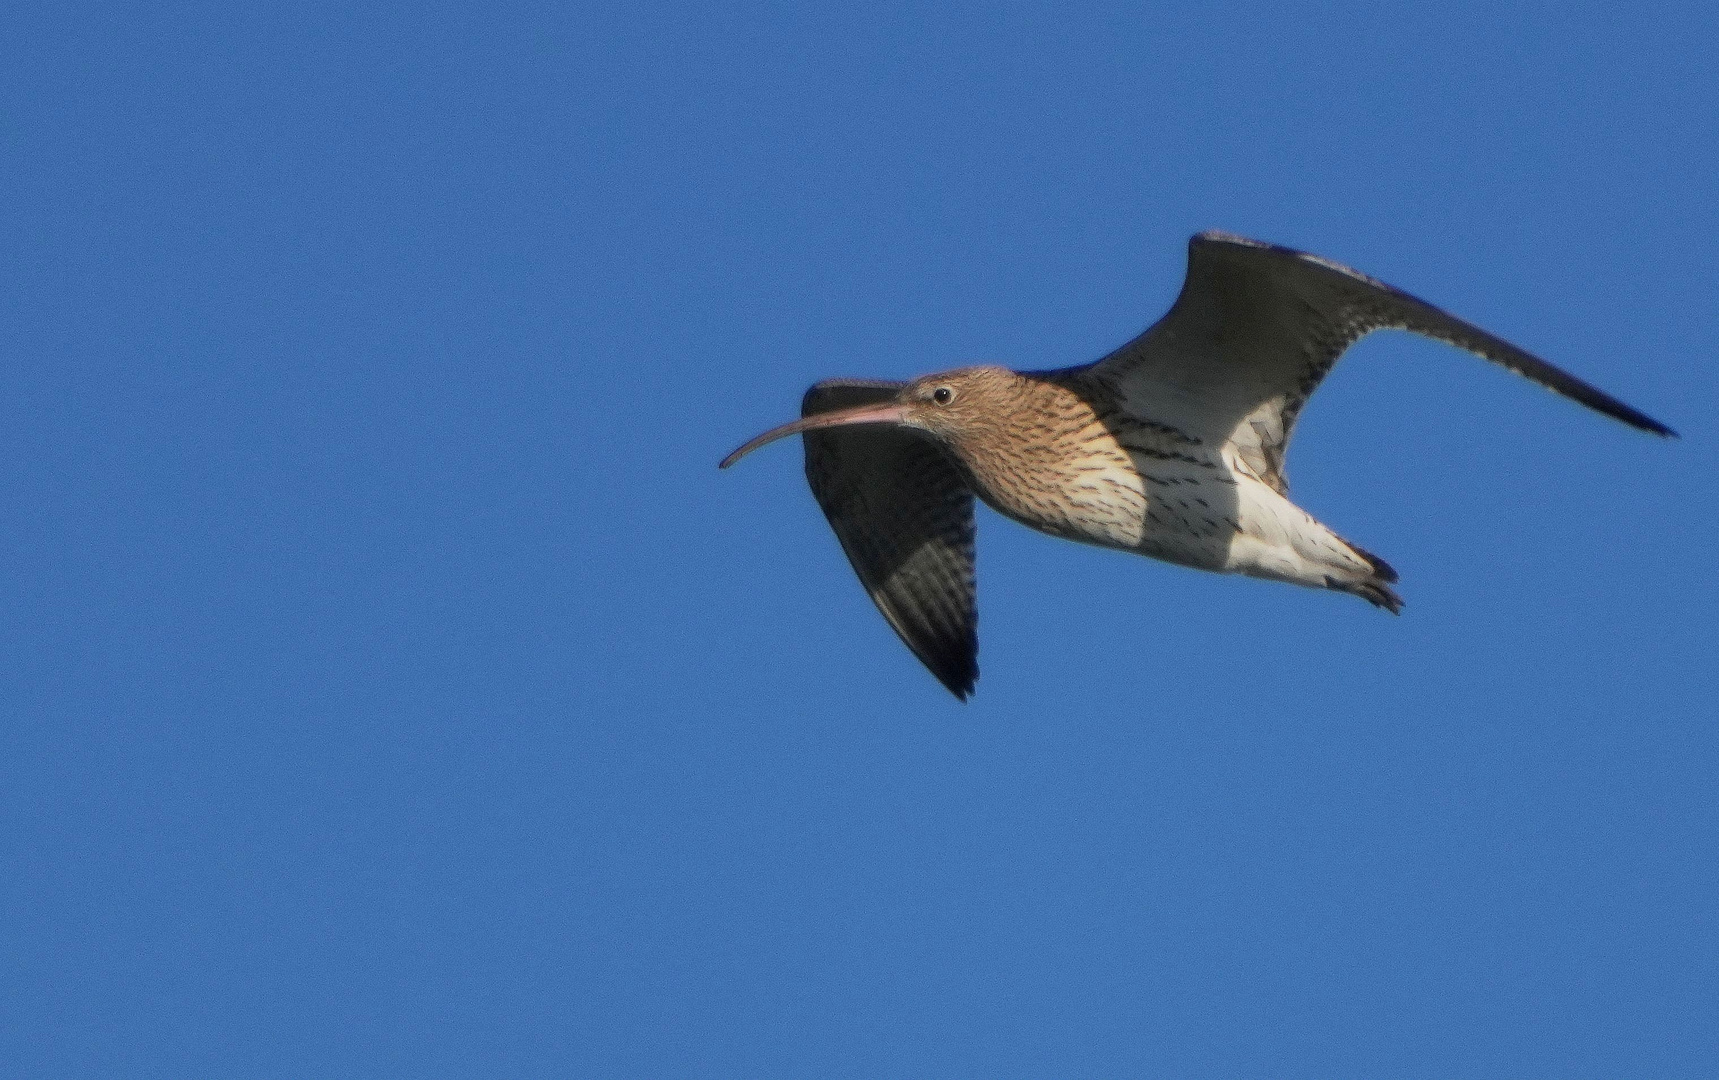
x=942, y=395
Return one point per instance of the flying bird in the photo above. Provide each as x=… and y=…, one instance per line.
x=1172, y=446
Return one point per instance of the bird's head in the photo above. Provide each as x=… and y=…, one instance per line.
x=950, y=406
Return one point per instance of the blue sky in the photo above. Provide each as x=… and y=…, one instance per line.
x=394, y=687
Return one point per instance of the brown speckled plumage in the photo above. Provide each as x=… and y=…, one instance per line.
x=1172, y=446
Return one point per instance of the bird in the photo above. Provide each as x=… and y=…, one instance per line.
x=1171, y=446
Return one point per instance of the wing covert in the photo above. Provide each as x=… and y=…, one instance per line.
x=904, y=516
x=1257, y=327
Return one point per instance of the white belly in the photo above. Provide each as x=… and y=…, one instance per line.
x=1204, y=515
x=1177, y=503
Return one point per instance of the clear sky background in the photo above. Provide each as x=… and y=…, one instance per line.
x=390, y=684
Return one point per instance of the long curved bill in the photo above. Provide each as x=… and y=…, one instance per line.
x=887, y=413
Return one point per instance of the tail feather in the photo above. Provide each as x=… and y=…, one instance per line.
x=1381, y=569
x=1376, y=590
x=1372, y=590
x=1380, y=594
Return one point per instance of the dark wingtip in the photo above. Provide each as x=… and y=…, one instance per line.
x=958, y=681
x=1650, y=425
x=1635, y=418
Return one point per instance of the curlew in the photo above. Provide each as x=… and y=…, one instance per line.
x=1172, y=446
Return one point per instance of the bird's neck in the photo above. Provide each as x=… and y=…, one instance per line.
x=1029, y=459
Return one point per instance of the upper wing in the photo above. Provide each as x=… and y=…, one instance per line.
x=1257, y=327
x=904, y=516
